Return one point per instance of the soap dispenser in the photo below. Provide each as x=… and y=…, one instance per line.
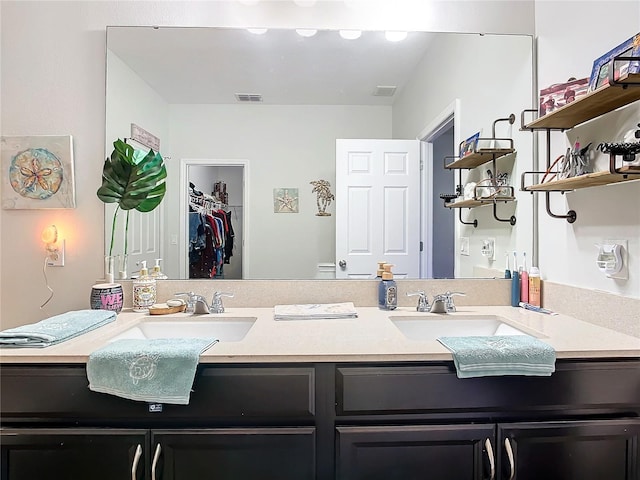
x=387, y=289
x=157, y=272
x=144, y=290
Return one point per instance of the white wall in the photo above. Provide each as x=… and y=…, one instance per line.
x=504, y=92
x=565, y=49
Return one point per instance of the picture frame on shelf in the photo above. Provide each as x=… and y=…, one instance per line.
x=600, y=70
x=470, y=145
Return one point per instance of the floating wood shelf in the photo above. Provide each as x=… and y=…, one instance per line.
x=585, y=181
x=590, y=106
x=472, y=203
x=479, y=157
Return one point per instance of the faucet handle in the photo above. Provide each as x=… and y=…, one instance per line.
x=423, y=303
x=191, y=300
x=216, y=303
x=448, y=300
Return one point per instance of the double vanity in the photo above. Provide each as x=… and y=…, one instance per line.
x=372, y=397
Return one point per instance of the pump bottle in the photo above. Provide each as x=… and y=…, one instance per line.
x=144, y=290
x=387, y=289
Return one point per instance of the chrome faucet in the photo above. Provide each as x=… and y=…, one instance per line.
x=198, y=305
x=443, y=303
x=423, y=303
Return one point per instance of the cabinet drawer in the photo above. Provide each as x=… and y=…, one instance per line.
x=595, y=387
x=59, y=393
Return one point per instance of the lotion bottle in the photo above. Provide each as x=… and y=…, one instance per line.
x=524, y=281
x=144, y=290
x=534, y=286
x=387, y=290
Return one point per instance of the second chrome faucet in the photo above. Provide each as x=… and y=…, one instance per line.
x=442, y=303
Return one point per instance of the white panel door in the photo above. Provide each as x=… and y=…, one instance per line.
x=144, y=238
x=377, y=207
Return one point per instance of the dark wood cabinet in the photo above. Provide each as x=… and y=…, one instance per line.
x=72, y=453
x=416, y=452
x=585, y=450
x=328, y=421
x=232, y=454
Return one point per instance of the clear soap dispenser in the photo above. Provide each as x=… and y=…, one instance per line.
x=387, y=289
x=144, y=290
x=157, y=272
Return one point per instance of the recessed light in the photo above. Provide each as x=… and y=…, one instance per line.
x=394, y=36
x=306, y=32
x=350, y=34
x=257, y=31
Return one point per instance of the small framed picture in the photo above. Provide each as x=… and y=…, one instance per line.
x=469, y=145
x=285, y=200
x=37, y=172
x=600, y=71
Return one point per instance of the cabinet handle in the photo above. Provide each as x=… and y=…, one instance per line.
x=509, y=450
x=136, y=460
x=154, y=465
x=492, y=465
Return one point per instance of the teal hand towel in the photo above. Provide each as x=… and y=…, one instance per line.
x=500, y=355
x=159, y=370
x=56, y=329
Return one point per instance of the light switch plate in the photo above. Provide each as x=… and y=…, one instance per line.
x=464, y=246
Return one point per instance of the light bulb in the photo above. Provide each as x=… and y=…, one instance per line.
x=350, y=34
x=395, y=36
x=306, y=32
x=50, y=235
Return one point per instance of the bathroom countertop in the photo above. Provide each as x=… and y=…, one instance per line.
x=370, y=337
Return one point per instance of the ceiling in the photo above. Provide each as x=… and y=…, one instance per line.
x=211, y=65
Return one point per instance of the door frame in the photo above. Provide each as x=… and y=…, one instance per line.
x=426, y=137
x=185, y=163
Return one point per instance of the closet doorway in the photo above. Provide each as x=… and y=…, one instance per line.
x=213, y=218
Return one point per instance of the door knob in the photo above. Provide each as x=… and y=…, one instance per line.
x=342, y=264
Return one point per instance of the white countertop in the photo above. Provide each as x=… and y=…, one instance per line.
x=370, y=337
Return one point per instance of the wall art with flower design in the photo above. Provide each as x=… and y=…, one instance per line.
x=37, y=172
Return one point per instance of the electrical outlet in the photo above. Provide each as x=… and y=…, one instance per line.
x=55, y=257
x=489, y=249
x=464, y=246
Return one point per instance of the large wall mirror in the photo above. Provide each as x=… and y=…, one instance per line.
x=258, y=115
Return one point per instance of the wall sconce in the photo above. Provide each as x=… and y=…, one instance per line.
x=55, y=250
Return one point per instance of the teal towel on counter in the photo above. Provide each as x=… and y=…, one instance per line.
x=500, y=355
x=159, y=370
x=56, y=329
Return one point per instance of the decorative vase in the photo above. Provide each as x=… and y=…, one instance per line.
x=122, y=266
x=109, y=268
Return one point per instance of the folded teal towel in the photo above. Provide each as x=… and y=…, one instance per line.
x=500, y=355
x=158, y=370
x=56, y=329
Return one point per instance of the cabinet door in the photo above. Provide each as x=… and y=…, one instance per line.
x=72, y=454
x=585, y=450
x=233, y=454
x=436, y=452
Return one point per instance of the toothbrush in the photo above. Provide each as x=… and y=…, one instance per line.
x=507, y=271
x=524, y=280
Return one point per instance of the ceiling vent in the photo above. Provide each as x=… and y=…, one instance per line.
x=248, y=97
x=384, y=91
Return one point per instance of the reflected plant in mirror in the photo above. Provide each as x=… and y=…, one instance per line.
x=133, y=180
x=278, y=103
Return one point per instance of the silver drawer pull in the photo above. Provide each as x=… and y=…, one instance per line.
x=509, y=450
x=136, y=461
x=489, y=448
x=154, y=465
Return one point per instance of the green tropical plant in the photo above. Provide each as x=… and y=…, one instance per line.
x=134, y=179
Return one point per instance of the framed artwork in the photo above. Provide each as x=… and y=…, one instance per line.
x=37, y=172
x=600, y=72
x=469, y=145
x=285, y=200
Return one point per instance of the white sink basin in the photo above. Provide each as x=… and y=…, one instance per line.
x=225, y=329
x=432, y=327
